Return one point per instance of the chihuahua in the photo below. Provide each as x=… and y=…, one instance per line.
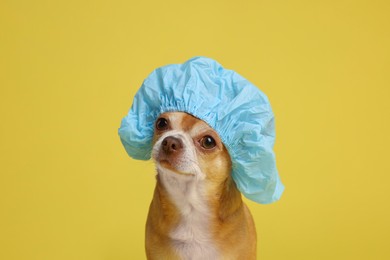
x=197, y=211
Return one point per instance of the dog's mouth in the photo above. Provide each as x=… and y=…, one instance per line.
x=166, y=164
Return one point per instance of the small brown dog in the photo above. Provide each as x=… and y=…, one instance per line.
x=197, y=211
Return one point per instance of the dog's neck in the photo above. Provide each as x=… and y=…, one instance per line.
x=191, y=212
x=190, y=195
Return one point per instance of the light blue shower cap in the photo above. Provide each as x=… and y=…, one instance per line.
x=238, y=111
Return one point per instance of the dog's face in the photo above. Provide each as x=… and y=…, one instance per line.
x=187, y=146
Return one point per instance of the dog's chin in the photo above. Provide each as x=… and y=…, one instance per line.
x=167, y=167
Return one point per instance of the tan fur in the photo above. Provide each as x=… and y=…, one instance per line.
x=231, y=223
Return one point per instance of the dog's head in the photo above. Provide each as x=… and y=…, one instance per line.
x=187, y=146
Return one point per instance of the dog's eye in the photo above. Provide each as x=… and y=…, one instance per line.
x=162, y=124
x=208, y=142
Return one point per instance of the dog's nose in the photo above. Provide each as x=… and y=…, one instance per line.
x=171, y=144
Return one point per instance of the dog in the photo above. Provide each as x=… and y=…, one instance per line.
x=197, y=211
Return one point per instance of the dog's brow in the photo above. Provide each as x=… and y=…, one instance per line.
x=189, y=122
x=186, y=122
x=174, y=119
x=194, y=125
x=200, y=127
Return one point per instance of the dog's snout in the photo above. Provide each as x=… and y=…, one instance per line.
x=171, y=144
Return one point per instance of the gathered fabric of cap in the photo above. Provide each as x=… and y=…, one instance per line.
x=238, y=111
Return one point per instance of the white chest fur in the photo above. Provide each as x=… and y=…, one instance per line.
x=192, y=238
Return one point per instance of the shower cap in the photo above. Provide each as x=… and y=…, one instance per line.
x=237, y=110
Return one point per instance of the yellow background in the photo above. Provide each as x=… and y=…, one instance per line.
x=69, y=71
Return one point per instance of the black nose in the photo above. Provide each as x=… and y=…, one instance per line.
x=171, y=144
